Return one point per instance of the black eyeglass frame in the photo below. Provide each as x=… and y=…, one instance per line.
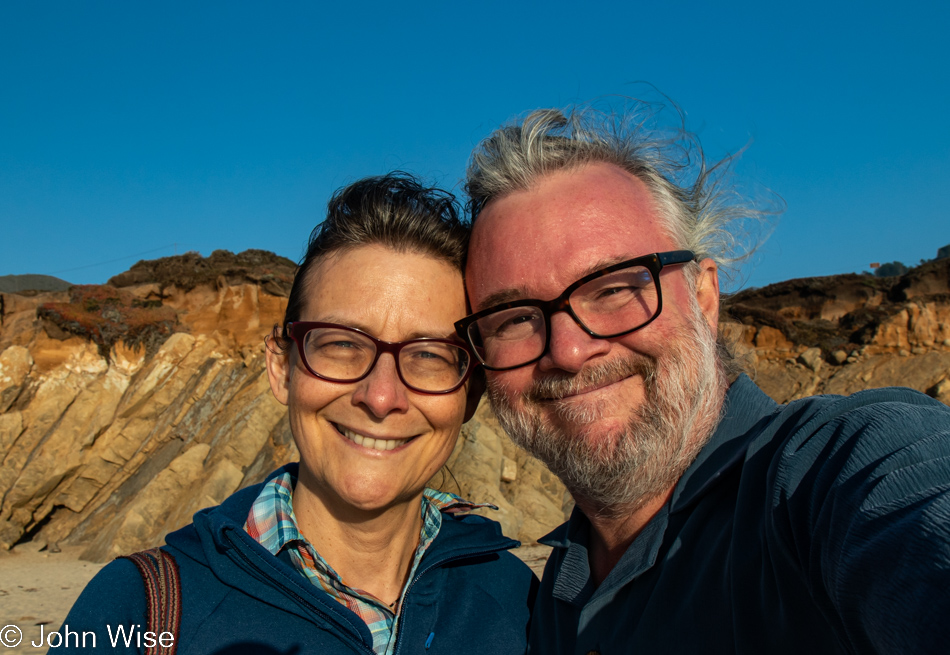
x=653, y=263
x=297, y=330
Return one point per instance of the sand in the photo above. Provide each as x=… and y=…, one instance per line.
x=38, y=587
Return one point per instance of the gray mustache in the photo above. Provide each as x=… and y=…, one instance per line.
x=556, y=386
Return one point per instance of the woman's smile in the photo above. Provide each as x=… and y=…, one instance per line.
x=377, y=444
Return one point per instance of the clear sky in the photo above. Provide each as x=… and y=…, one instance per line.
x=135, y=130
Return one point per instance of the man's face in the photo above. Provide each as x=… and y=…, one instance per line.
x=585, y=393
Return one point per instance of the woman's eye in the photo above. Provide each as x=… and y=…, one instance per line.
x=337, y=347
x=342, y=344
x=430, y=356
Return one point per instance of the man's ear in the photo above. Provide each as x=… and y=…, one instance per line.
x=279, y=368
x=476, y=387
x=707, y=292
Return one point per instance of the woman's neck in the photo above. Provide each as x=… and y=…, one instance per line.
x=370, y=550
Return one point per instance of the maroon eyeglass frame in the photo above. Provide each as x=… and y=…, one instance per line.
x=297, y=330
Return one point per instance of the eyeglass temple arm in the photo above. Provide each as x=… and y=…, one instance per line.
x=676, y=257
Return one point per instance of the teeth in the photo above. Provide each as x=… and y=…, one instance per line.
x=369, y=442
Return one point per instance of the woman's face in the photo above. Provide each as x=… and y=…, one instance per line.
x=393, y=297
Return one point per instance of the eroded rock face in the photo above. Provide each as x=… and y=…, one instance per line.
x=846, y=333
x=113, y=452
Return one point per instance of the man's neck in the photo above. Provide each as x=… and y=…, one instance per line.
x=612, y=533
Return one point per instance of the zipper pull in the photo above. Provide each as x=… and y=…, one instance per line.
x=429, y=640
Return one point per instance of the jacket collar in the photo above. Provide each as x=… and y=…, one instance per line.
x=461, y=535
x=217, y=539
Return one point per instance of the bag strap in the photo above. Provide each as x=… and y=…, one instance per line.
x=163, y=595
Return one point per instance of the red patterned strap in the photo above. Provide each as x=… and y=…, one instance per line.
x=163, y=594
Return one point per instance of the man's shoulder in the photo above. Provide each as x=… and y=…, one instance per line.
x=824, y=441
x=915, y=413
x=869, y=397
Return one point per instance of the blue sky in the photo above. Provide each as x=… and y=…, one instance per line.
x=135, y=130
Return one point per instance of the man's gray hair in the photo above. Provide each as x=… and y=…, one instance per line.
x=694, y=200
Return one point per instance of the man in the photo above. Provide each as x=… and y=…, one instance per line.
x=708, y=518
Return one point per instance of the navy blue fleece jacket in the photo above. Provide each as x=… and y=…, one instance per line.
x=469, y=595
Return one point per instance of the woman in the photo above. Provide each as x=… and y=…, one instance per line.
x=349, y=553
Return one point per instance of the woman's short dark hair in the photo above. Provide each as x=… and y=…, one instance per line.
x=395, y=211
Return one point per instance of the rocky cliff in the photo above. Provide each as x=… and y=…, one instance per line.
x=845, y=333
x=126, y=407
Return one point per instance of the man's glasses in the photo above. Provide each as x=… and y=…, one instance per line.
x=337, y=353
x=612, y=302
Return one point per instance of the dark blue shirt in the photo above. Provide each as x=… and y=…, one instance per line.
x=821, y=526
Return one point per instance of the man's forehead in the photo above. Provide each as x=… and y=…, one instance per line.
x=534, y=243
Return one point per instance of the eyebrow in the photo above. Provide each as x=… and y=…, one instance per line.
x=521, y=293
x=415, y=334
x=502, y=296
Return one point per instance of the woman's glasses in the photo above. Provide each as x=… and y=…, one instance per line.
x=338, y=353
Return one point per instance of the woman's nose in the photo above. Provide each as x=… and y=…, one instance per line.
x=382, y=392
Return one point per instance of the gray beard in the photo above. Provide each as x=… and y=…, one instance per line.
x=617, y=473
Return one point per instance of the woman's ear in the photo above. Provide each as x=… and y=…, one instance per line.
x=476, y=387
x=278, y=367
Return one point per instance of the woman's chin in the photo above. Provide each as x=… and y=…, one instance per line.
x=377, y=495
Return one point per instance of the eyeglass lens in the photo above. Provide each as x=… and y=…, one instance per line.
x=609, y=305
x=345, y=356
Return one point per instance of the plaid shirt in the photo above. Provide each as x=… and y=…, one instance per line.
x=271, y=522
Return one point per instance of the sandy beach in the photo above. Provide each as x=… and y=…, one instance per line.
x=38, y=588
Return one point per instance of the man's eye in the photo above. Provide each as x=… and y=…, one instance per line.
x=517, y=320
x=513, y=327
x=613, y=291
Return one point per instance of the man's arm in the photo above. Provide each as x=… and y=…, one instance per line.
x=865, y=490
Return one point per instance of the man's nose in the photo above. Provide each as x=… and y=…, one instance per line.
x=569, y=347
x=382, y=392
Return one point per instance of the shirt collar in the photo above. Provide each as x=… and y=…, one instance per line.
x=574, y=584
x=272, y=523
x=745, y=407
